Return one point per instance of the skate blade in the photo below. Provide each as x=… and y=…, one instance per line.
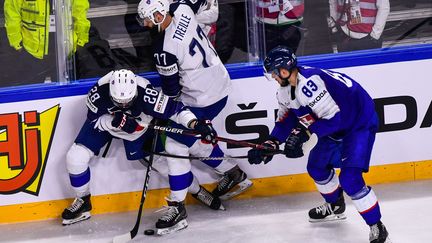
x=221, y=207
x=239, y=188
x=329, y=218
x=82, y=217
x=179, y=226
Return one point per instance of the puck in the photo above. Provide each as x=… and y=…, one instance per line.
x=149, y=232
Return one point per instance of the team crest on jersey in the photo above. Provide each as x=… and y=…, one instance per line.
x=25, y=141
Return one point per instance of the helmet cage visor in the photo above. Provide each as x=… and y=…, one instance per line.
x=269, y=75
x=123, y=103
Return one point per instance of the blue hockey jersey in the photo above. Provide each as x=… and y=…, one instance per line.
x=149, y=104
x=328, y=103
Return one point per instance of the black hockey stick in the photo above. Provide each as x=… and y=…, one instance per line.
x=130, y=235
x=222, y=139
x=107, y=147
x=196, y=157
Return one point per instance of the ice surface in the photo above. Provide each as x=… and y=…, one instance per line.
x=405, y=209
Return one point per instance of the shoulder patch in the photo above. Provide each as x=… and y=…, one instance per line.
x=167, y=71
x=161, y=103
x=91, y=106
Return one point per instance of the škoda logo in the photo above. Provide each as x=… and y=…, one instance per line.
x=24, y=149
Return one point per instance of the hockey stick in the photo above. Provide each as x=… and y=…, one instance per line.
x=130, y=235
x=107, y=147
x=197, y=157
x=222, y=139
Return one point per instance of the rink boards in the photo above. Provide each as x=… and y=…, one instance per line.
x=35, y=135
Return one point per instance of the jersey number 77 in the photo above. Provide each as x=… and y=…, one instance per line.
x=196, y=43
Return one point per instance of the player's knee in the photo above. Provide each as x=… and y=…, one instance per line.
x=318, y=174
x=177, y=166
x=201, y=149
x=351, y=180
x=78, y=158
x=174, y=147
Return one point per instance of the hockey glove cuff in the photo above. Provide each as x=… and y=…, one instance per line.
x=256, y=156
x=124, y=122
x=206, y=130
x=294, y=144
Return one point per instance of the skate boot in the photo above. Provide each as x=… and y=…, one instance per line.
x=173, y=219
x=208, y=199
x=328, y=211
x=378, y=233
x=78, y=211
x=232, y=183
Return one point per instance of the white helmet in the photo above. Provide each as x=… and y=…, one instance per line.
x=148, y=8
x=123, y=88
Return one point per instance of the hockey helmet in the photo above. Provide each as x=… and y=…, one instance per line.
x=148, y=8
x=123, y=88
x=279, y=57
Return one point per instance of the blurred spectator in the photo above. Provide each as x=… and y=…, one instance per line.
x=358, y=24
x=231, y=30
x=143, y=53
x=28, y=25
x=282, y=19
x=207, y=17
x=316, y=37
x=96, y=58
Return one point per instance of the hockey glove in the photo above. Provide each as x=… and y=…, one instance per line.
x=256, y=156
x=124, y=122
x=206, y=130
x=294, y=144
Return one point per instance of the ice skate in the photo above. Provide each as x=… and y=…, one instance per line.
x=328, y=211
x=173, y=219
x=232, y=183
x=208, y=199
x=78, y=211
x=378, y=233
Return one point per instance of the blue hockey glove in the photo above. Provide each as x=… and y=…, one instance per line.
x=256, y=156
x=206, y=130
x=124, y=122
x=293, y=145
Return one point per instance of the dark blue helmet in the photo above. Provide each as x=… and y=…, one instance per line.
x=280, y=57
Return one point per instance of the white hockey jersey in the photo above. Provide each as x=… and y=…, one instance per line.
x=187, y=62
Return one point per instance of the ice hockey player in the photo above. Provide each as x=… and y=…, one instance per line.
x=340, y=114
x=121, y=105
x=192, y=72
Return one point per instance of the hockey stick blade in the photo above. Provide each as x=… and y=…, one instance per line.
x=310, y=144
x=122, y=238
